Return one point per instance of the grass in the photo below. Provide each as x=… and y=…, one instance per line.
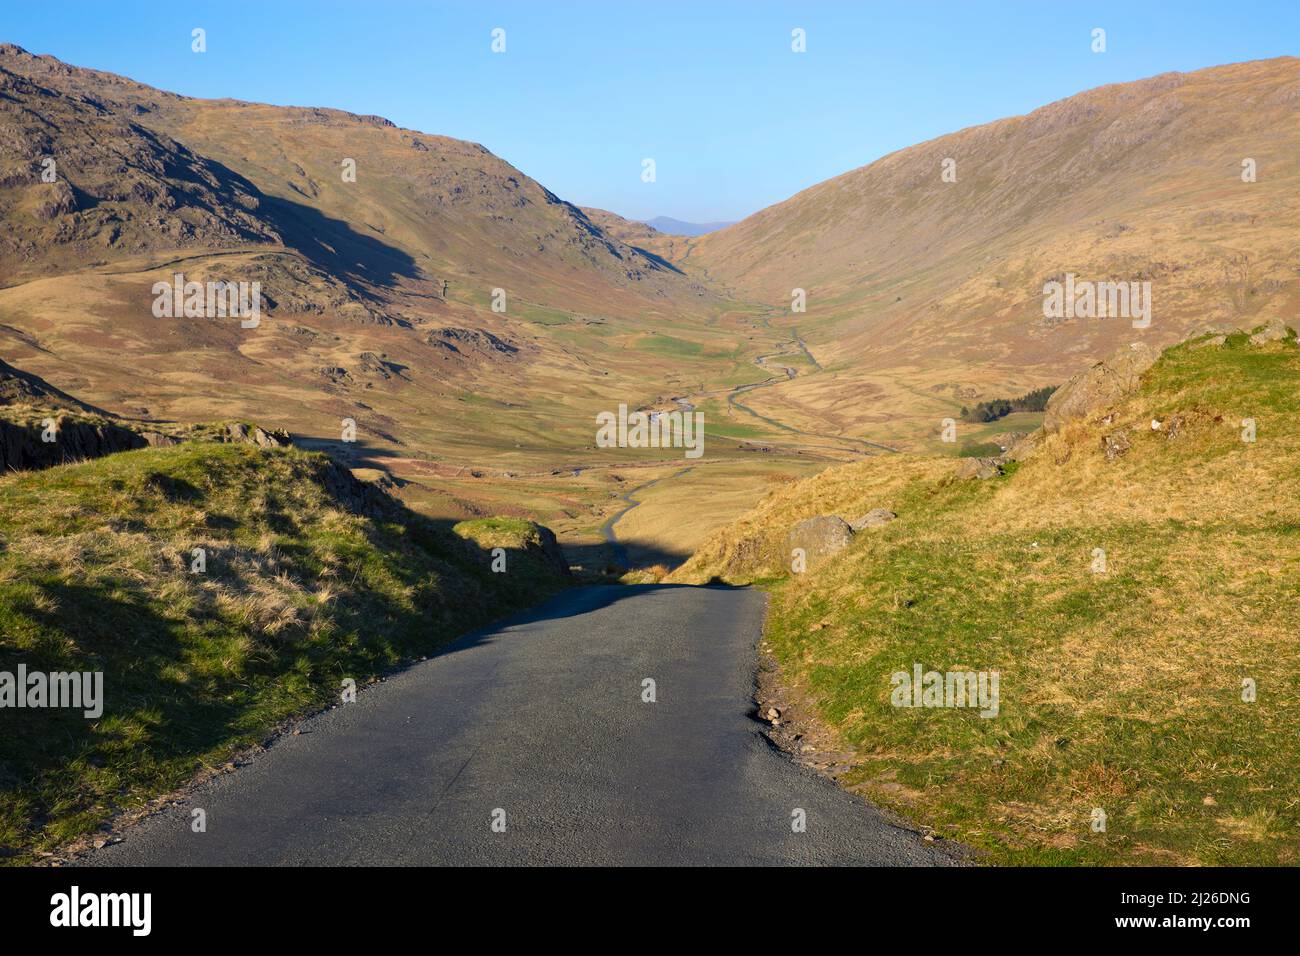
x=298, y=593
x=1121, y=690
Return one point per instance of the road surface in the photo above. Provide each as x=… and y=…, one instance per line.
x=542, y=718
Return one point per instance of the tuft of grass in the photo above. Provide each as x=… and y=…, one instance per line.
x=298, y=593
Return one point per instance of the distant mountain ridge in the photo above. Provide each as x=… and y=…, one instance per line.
x=679, y=227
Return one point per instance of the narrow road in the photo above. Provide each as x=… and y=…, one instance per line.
x=607, y=529
x=541, y=718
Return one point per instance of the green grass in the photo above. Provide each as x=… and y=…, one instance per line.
x=297, y=595
x=670, y=346
x=1121, y=690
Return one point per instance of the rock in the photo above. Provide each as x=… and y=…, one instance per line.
x=1115, y=444
x=1025, y=447
x=264, y=439
x=237, y=433
x=1213, y=342
x=551, y=549
x=820, y=538
x=978, y=468
x=1008, y=440
x=458, y=341
x=22, y=447
x=1102, y=385
x=874, y=517
x=1274, y=331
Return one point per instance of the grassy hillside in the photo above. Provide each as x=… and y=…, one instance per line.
x=919, y=287
x=1121, y=690
x=311, y=578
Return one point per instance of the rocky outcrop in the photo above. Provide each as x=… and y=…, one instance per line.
x=819, y=538
x=551, y=550
x=352, y=494
x=23, y=388
x=23, y=446
x=1099, y=387
x=873, y=518
x=237, y=433
x=1275, y=331
x=463, y=341
x=1115, y=444
x=981, y=468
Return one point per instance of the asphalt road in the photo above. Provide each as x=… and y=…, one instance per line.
x=543, y=718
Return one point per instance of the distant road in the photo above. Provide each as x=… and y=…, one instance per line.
x=607, y=529
x=542, y=718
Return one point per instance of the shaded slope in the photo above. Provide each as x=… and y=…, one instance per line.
x=309, y=578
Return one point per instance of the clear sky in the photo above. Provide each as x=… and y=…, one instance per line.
x=710, y=90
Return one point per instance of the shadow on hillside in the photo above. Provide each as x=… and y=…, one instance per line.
x=629, y=553
x=335, y=247
x=329, y=244
x=659, y=259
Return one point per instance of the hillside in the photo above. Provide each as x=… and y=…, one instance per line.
x=368, y=284
x=471, y=324
x=380, y=294
x=1126, y=581
x=923, y=293
x=308, y=578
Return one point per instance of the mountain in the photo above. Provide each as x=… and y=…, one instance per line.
x=677, y=227
x=439, y=298
x=667, y=248
x=144, y=170
x=471, y=323
x=923, y=294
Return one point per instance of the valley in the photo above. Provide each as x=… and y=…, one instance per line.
x=411, y=396
x=472, y=324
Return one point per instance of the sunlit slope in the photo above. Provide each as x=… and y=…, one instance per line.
x=452, y=307
x=1127, y=601
x=914, y=281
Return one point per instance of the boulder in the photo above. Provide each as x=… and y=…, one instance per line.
x=1274, y=331
x=237, y=433
x=1115, y=444
x=978, y=468
x=1102, y=385
x=874, y=517
x=552, y=551
x=820, y=538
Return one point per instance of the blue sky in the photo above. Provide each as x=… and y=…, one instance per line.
x=710, y=90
